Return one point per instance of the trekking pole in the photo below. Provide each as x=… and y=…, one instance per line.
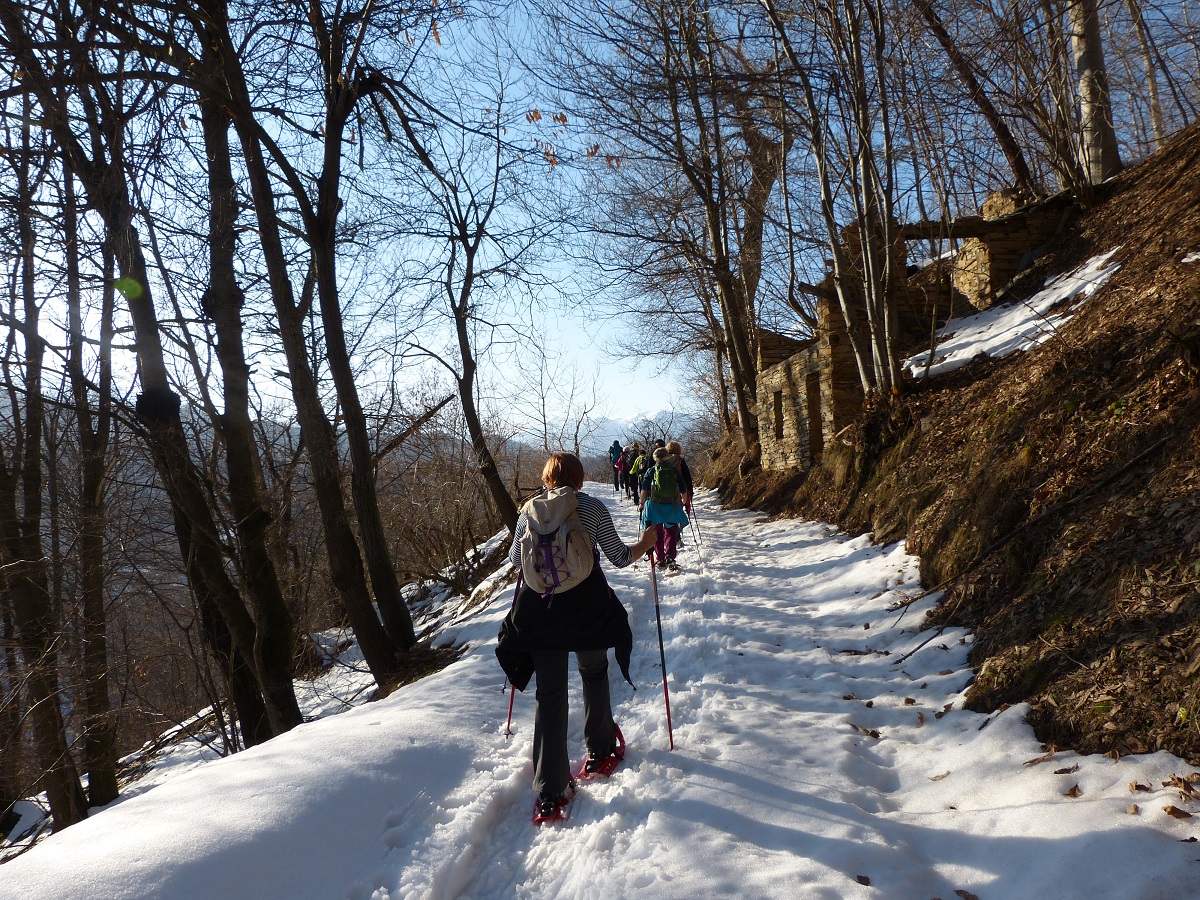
x=695, y=524
x=699, y=555
x=662, y=655
x=512, y=695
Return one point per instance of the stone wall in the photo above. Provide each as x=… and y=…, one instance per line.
x=809, y=397
x=783, y=417
x=1010, y=242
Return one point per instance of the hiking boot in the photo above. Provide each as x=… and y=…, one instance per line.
x=672, y=566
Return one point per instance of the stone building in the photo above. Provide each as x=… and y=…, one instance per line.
x=998, y=244
x=809, y=391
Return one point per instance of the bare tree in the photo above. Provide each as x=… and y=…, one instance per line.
x=100, y=166
x=1099, y=155
x=472, y=185
x=23, y=556
x=94, y=434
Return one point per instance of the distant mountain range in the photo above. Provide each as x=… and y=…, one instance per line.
x=665, y=423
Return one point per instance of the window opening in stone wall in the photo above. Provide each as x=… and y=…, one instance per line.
x=778, y=399
x=812, y=390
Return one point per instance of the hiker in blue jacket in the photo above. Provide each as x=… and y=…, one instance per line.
x=541, y=629
x=662, y=506
x=614, y=454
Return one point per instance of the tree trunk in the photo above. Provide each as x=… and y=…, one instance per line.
x=345, y=86
x=12, y=712
x=1148, y=62
x=158, y=406
x=25, y=565
x=723, y=389
x=345, y=562
x=323, y=240
x=488, y=470
x=966, y=69
x=1100, y=157
x=100, y=727
x=274, y=633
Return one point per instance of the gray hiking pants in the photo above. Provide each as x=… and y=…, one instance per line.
x=551, y=763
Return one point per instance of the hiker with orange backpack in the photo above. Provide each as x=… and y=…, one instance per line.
x=565, y=605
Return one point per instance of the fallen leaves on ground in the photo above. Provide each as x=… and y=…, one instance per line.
x=869, y=732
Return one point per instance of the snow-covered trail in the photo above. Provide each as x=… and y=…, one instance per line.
x=810, y=762
x=804, y=754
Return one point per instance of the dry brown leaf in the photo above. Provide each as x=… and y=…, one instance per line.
x=1184, y=786
x=1067, y=771
x=939, y=777
x=966, y=895
x=1135, y=786
x=1176, y=813
x=870, y=732
x=1132, y=809
x=920, y=719
x=1045, y=757
x=946, y=672
x=863, y=879
x=849, y=696
x=1075, y=791
x=910, y=701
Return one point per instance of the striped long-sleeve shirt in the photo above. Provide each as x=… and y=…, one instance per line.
x=599, y=524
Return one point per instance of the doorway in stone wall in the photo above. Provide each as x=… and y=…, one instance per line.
x=812, y=391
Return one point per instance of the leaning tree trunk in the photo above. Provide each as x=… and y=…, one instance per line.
x=967, y=72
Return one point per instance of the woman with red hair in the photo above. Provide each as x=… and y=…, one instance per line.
x=581, y=616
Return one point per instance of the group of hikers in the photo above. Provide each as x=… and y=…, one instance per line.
x=563, y=603
x=660, y=483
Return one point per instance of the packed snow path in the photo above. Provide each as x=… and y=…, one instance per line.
x=810, y=762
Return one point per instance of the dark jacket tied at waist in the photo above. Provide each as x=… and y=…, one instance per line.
x=587, y=617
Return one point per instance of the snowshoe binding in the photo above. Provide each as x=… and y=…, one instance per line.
x=603, y=765
x=551, y=810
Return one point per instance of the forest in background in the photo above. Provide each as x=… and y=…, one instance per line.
x=273, y=269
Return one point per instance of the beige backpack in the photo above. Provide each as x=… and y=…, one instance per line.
x=556, y=551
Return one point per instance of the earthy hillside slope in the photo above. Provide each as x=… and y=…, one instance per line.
x=1055, y=494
